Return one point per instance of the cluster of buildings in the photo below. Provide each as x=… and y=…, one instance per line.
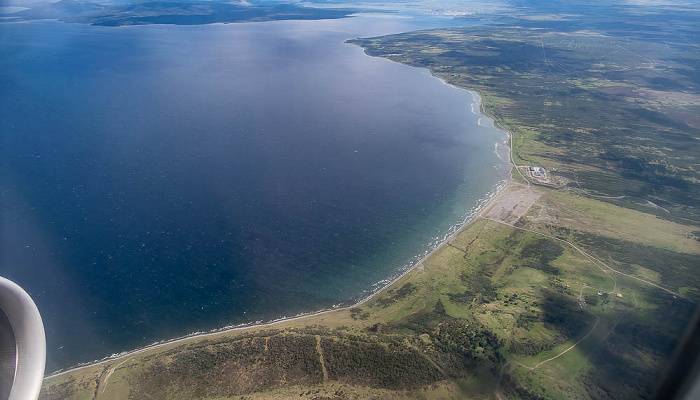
x=537, y=173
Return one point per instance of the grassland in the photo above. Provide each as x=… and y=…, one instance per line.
x=577, y=289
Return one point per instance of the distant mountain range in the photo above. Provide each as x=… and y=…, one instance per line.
x=171, y=12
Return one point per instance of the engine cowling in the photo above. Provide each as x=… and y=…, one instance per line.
x=22, y=344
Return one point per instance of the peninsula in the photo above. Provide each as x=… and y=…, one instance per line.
x=171, y=12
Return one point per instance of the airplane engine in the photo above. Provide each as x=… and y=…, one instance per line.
x=22, y=344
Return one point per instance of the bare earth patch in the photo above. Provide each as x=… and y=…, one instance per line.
x=512, y=203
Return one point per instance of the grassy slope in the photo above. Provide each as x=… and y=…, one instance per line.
x=498, y=300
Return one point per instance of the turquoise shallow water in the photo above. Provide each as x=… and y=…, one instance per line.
x=159, y=180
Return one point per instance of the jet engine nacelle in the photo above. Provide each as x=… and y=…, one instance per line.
x=22, y=344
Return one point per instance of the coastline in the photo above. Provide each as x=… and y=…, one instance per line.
x=204, y=335
x=483, y=205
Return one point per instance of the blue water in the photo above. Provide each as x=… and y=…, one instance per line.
x=159, y=180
